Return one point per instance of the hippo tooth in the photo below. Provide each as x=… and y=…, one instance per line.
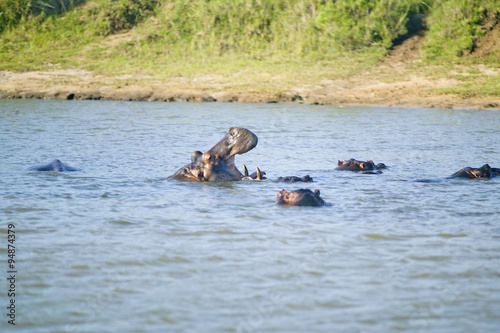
x=245, y=170
x=259, y=174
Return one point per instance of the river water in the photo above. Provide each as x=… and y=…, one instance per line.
x=117, y=247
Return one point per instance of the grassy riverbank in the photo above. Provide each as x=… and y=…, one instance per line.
x=266, y=46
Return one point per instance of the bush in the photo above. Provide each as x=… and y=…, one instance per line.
x=109, y=15
x=14, y=11
x=455, y=25
x=300, y=27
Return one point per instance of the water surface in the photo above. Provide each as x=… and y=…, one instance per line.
x=119, y=248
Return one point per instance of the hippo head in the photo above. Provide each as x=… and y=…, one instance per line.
x=483, y=172
x=302, y=197
x=355, y=165
x=217, y=164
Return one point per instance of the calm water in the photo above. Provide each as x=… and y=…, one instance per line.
x=119, y=248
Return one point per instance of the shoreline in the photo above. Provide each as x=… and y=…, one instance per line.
x=399, y=77
x=364, y=90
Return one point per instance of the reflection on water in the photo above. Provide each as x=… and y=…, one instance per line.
x=117, y=247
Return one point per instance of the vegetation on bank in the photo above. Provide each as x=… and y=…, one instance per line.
x=185, y=37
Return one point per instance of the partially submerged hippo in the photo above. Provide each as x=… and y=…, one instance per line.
x=217, y=164
x=483, y=172
x=302, y=197
x=305, y=179
x=355, y=165
x=55, y=165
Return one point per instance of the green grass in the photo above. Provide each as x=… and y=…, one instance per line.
x=198, y=29
x=455, y=25
x=298, y=40
x=475, y=86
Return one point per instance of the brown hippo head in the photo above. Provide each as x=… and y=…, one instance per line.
x=355, y=165
x=292, y=179
x=302, y=197
x=483, y=172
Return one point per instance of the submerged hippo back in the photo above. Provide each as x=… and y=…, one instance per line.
x=55, y=165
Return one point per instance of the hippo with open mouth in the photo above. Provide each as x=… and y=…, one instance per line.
x=217, y=164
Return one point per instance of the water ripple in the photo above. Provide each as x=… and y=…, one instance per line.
x=118, y=247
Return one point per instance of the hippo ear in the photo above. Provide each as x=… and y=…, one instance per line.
x=339, y=163
x=280, y=197
x=316, y=193
x=195, y=155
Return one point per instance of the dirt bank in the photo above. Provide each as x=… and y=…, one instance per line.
x=391, y=83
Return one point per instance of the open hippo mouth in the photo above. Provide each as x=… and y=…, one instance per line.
x=217, y=164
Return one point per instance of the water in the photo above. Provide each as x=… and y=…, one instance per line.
x=119, y=248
